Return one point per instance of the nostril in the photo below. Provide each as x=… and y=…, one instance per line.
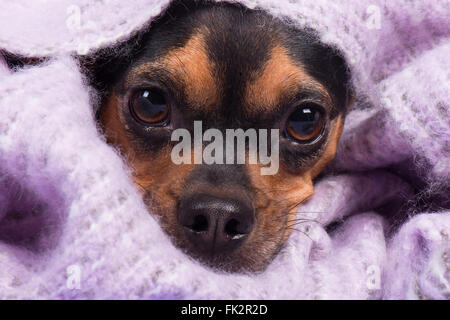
x=215, y=223
x=200, y=223
x=234, y=229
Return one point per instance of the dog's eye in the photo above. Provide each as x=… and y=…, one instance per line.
x=306, y=123
x=149, y=106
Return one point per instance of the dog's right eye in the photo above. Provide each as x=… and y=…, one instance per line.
x=150, y=107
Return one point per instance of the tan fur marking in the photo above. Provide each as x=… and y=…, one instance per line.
x=281, y=76
x=191, y=66
x=330, y=150
x=114, y=126
x=287, y=190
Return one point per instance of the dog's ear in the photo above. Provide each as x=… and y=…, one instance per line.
x=342, y=83
x=350, y=100
x=104, y=67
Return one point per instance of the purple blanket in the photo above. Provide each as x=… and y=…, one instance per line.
x=73, y=225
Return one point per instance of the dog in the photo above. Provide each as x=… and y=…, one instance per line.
x=229, y=67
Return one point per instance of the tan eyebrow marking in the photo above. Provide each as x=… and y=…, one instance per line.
x=190, y=67
x=280, y=76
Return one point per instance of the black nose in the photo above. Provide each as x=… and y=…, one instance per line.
x=215, y=225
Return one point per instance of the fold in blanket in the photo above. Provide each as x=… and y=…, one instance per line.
x=73, y=225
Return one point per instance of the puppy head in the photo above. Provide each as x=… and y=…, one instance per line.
x=229, y=68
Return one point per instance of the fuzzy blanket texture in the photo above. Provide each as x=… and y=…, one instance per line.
x=74, y=226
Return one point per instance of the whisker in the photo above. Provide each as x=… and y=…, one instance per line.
x=302, y=221
x=294, y=229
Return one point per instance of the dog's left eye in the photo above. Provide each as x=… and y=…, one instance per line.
x=306, y=124
x=149, y=106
